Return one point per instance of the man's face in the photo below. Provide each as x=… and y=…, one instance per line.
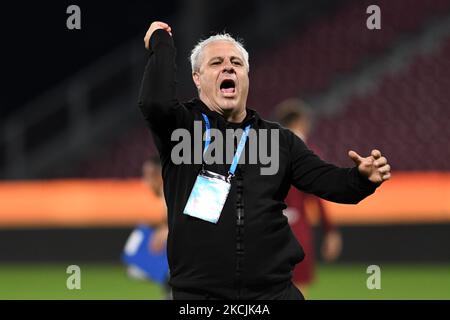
x=222, y=78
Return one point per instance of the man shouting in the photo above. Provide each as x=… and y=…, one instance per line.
x=228, y=237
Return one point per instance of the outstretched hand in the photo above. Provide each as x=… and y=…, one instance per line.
x=374, y=167
x=153, y=27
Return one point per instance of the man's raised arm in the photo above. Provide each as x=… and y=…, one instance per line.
x=158, y=99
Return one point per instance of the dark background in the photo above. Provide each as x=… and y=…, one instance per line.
x=38, y=50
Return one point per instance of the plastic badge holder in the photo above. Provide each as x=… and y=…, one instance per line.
x=208, y=196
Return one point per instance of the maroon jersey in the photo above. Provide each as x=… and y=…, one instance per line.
x=303, y=208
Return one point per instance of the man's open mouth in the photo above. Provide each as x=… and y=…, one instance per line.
x=227, y=86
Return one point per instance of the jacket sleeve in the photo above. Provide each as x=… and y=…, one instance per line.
x=158, y=98
x=313, y=175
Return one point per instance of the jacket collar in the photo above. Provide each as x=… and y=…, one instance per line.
x=251, y=117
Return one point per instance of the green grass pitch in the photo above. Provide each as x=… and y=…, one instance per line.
x=103, y=281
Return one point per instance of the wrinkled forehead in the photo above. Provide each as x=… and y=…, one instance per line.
x=221, y=48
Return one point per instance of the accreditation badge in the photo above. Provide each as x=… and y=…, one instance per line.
x=208, y=196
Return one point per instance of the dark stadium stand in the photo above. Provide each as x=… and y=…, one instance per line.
x=406, y=117
x=308, y=62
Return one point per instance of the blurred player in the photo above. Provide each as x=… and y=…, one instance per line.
x=152, y=177
x=144, y=249
x=304, y=208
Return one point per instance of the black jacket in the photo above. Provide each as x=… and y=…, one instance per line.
x=251, y=249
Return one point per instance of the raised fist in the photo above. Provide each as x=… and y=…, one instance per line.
x=155, y=26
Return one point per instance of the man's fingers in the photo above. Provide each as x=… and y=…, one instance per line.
x=385, y=169
x=153, y=27
x=159, y=24
x=376, y=154
x=355, y=157
x=380, y=162
x=163, y=25
x=169, y=30
x=387, y=176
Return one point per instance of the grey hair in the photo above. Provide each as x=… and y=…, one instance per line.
x=198, y=49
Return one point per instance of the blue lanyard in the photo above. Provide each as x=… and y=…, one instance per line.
x=208, y=134
x=239, y=149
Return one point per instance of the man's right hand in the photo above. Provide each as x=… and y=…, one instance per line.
x=153, y=27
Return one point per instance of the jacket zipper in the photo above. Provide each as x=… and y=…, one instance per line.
x=239, y=234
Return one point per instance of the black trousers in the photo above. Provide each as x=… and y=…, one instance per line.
x=290, y=292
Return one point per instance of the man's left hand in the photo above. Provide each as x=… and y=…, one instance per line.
x=374, y=167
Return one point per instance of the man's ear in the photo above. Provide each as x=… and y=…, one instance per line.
x=196, y=78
